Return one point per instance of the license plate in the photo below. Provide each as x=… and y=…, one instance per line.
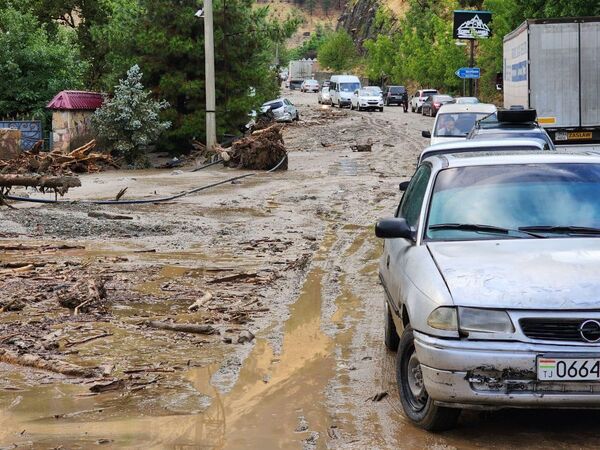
x=561, y=136
x=579, y=135
x=568, y=369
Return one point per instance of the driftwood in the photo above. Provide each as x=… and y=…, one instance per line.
x=36, y=362
x=183, y=327
x=200, y=302
x=55, y=162
x=59, y=184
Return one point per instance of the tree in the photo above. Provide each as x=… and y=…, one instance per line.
x=170, y=45
x=129, y=123
x=35, y=64
x=338, y=51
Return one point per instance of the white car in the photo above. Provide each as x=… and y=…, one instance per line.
x=310, y=86
x=324, y=96
x=416, y=101
x=366, y=99
x=454, y=122
x=490, y=273
x=283, y=110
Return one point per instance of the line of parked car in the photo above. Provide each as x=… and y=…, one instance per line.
x=490, y=269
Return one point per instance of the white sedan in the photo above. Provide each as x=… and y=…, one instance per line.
x=366, y=99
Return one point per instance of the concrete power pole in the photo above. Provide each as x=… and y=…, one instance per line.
x=209, y=61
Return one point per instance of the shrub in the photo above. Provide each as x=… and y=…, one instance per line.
x=129, y=122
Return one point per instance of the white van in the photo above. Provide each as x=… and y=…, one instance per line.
x=341, y=88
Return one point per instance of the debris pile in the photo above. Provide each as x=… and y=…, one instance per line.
x=263, y=149
x=56, y=163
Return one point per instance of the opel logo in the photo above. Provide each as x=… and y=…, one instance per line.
x=590, y=331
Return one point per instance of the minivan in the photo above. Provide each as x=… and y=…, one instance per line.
x=341, y=88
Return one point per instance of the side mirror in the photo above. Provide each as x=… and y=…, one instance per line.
x=393, y=228
x=426, y=134
x=403, y=186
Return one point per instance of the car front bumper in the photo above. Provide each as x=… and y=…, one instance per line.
x=498, y=374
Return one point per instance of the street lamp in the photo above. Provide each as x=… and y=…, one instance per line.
x=209, y=70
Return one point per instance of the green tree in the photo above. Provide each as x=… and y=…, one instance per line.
x=35, y=64
x=170, y=45
x=338, y=51
x=129, y=122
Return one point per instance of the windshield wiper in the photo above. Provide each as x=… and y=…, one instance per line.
x=562, y=229
x=481, y=228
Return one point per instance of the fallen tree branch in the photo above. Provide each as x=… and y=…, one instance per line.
x=36, y=362
x=91, y=338
x=200, y=302
x=183, y=327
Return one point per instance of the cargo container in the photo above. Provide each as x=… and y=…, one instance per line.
x=553, y=66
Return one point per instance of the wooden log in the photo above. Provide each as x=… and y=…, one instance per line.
x=39, y=181
x=183, y=327
x=37, y=362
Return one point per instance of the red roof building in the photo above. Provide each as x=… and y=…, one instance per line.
x=76, y=101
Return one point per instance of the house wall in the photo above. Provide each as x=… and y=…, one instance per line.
x=67, y=126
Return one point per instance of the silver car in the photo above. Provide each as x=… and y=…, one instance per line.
x=366, y=99
x=324, y=96
x=283, y=110
x=491, y=269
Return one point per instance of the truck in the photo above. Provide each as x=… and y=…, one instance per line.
x=300, y=70
x=553, y=66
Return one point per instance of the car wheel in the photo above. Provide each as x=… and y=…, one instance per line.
x=419, y=110
x=381, y=109
x=297, y=118
x=390, y=336
x=412, y=108
x=423, y=111
x=416, y=403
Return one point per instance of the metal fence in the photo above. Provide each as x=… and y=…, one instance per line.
x=32, y=131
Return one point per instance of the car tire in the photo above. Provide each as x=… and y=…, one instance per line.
x=412, y=108
x=381, y=109
x=416, y=403
x=391, y=339
x=297, y=118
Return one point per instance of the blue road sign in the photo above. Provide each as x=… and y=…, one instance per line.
x=468, y=72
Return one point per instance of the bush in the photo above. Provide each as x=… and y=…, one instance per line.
x=129, y=123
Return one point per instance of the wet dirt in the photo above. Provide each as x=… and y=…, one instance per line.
x=311, y=298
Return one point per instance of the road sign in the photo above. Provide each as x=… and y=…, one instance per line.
x=468, y=72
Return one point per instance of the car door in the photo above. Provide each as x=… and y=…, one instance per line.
x=397, y=251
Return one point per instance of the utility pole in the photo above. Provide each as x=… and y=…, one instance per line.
x=472, y=64
x=209, y=62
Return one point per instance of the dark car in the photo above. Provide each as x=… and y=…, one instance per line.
x=507, y=124
x=433, y=103
x=396, y=95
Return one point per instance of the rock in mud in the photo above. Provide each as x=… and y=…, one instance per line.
x=245, y=336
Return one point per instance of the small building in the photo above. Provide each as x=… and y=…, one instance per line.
x=71, y=118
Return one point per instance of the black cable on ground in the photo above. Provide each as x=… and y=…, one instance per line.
x=144, y=201
x=207, y=165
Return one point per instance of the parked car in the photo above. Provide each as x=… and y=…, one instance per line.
x=295, y=84
x=516, y=123
x=433, y=103
x=417, y=100
x=324, y=96
x=283, y=110
x=309, y=86
x=396, y=95
x=488, y=146
x=454, y=122
x=490, y=272
x=366, y=99
x=341, y=88
x=466, y=100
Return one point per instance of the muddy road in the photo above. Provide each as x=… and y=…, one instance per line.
x=295, y=308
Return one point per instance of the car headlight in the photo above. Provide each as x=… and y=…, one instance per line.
x=443, y=318
x=480, y=320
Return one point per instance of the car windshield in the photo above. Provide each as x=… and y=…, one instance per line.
x=373, y=90
x=468, y=201
x=456, y=124
x=367, y=92
x=325, y=90
x=349, y=87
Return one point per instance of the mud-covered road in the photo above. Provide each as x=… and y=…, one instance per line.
x=290, y=261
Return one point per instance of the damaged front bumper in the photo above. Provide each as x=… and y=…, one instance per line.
x=498, y=374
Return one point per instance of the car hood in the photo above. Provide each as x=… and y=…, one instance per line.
x=551, y=273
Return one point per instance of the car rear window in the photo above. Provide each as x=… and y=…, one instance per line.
x=396, y=90
x=275, y=105
x=442, y=98
x=426, y=93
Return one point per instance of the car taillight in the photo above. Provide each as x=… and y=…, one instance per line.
x=436, y=104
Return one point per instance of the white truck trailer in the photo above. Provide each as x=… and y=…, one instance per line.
x=553, y=66
x=300, y=70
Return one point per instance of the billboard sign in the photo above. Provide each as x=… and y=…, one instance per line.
x=472, y=24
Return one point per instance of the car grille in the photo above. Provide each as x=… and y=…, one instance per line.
x=554, y=329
